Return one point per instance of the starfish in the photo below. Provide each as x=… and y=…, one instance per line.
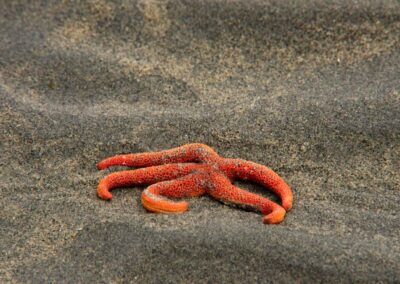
x=193, y=170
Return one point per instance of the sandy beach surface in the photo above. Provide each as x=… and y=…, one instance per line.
x=309, y=88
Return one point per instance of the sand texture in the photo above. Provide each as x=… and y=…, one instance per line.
x=309, y=88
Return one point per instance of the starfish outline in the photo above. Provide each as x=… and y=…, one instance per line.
x=193, y=170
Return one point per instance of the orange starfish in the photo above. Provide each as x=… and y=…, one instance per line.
x=193, y=170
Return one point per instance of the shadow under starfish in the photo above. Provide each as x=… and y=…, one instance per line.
x=194, y=170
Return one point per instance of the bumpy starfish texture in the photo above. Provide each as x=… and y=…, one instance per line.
x=193, y=170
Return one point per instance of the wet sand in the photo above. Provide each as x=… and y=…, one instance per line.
x=309, y=88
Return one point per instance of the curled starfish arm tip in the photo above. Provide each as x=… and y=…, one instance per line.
x=103, y=192
x=275, y=217
x=287, y=202
x=111, y=161
x=154, y=198
x=163, y=206
x=100, y=166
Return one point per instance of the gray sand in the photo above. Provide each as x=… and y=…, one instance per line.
x=308, y=88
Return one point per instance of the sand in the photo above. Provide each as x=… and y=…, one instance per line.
x=309, y=88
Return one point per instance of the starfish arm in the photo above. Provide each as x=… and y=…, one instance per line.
x=154, y=198
x=194, y=152
x=246, y=170
x=226, y=192
x=142, y=176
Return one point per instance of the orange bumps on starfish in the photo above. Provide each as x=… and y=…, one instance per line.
x=193, y=170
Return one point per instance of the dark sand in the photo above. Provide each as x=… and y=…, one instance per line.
x=308, y=88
